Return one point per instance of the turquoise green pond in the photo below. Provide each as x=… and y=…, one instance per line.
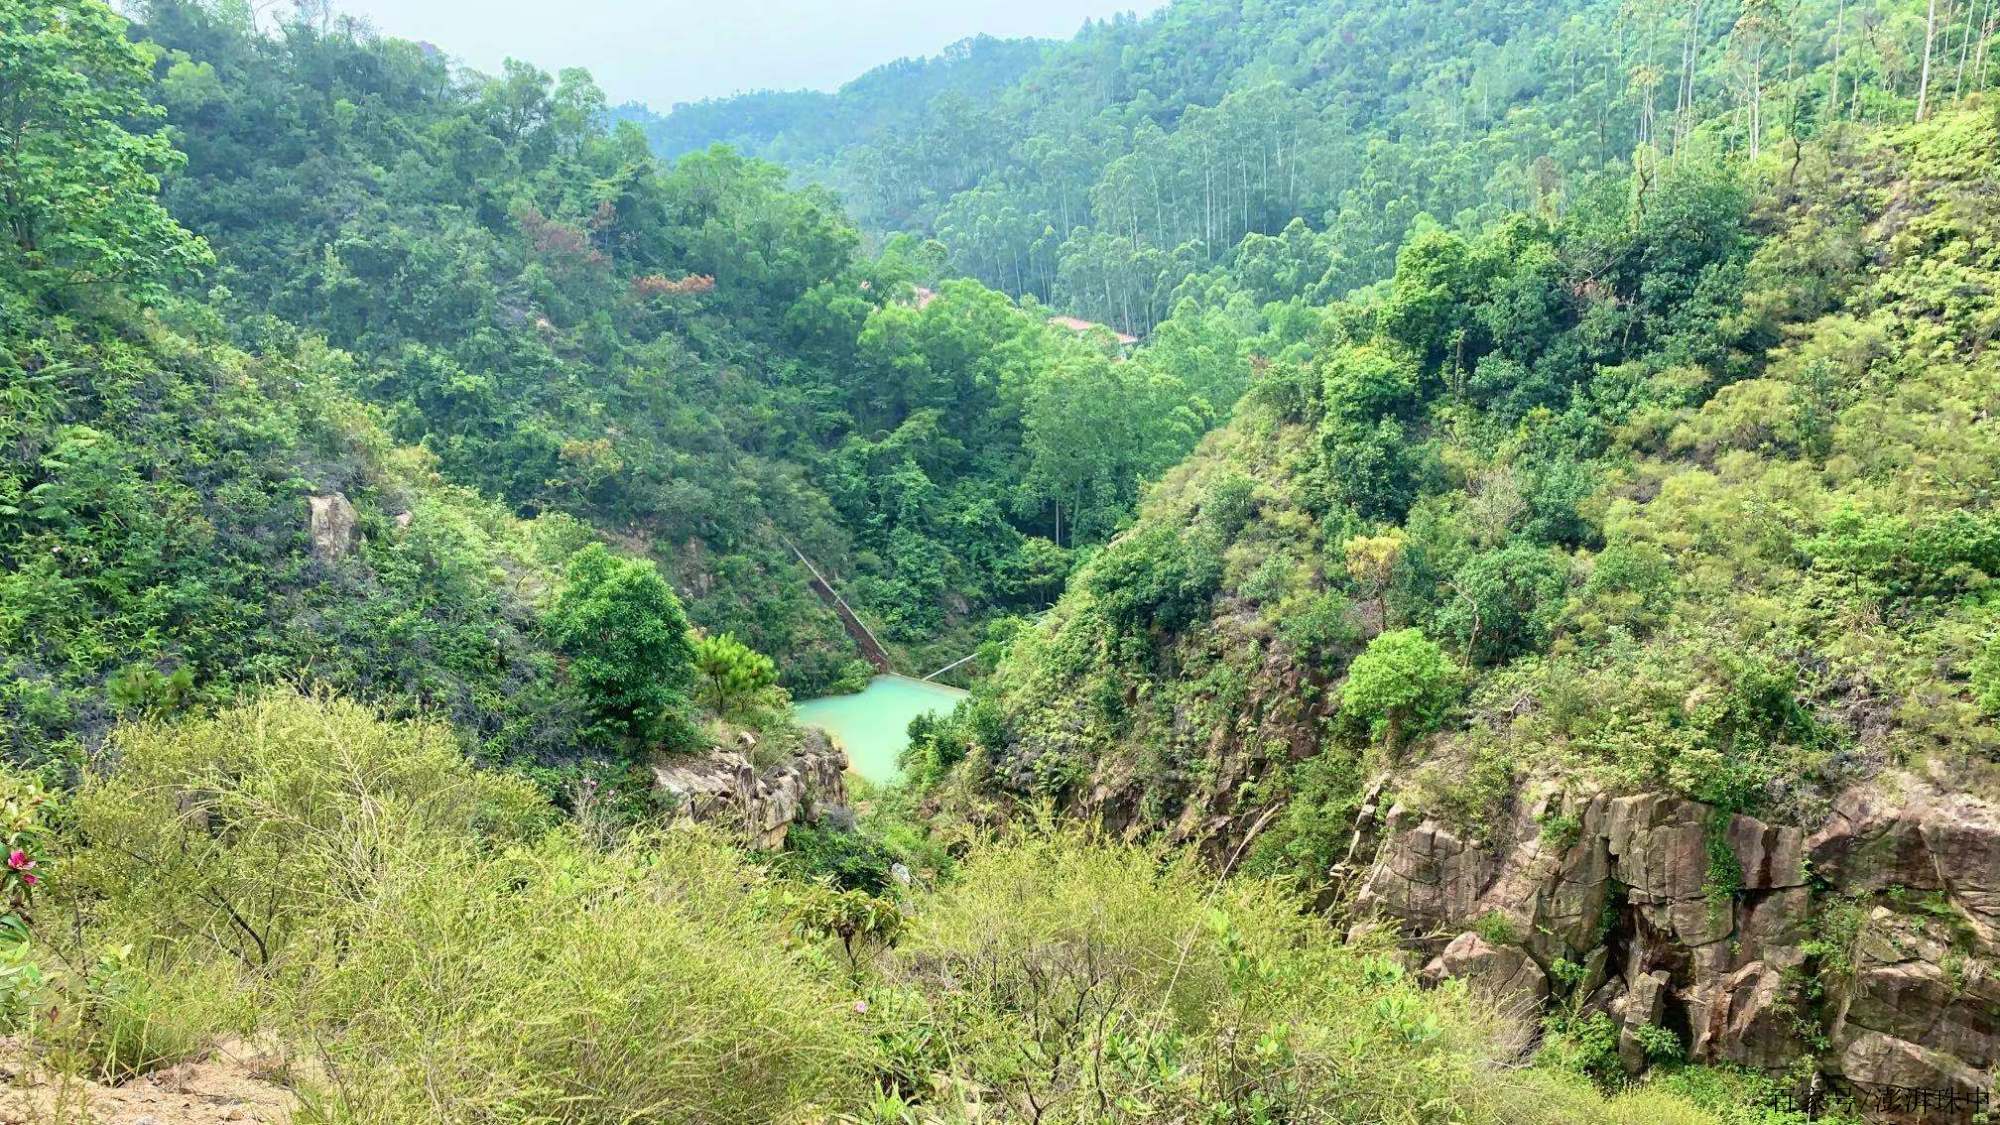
x=872, y=725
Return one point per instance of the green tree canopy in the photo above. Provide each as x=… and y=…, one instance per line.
x=1400, y=686
x=628, y=645
x=731, y=671
x=1505, y=602
x=78, y=187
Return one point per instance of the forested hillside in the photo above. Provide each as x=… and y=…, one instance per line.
x=1521, y=640
x=1690, y=491
x=808, y=128
x=1606, y=592
x=1147, y=151
x=425, y=274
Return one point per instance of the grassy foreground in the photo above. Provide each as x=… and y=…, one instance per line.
x=431, y=942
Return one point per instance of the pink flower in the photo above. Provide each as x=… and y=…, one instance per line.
x=18, y=860
x=31, y=880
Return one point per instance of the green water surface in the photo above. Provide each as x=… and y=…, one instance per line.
x=872, y=725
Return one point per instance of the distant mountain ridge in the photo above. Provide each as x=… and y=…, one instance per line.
x=799, y=127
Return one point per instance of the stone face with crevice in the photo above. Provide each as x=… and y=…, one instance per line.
x=1632, y=899
x=1428, y=876
x=1505, y=973
x=1913, y=982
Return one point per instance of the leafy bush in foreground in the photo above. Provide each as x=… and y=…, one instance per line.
x=1066, y=978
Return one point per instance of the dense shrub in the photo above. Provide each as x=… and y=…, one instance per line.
x=556, y=983
x=1504, y=603
x=244, y=833
x=449, y=954
x=1067, y=978
x=1399, y=687
x=1155, y=579
x=846, y=858
x=1893, y=556
x=1986, y=677
x=452, y=958
x=629, y=647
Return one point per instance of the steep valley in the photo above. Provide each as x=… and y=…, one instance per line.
x=1462, y=539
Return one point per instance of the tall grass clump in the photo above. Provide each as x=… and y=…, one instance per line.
x=261, y=835
x=553, y=983
x=1077, y=979
x=435, y=945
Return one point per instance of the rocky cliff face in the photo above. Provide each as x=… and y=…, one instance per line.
x=1873, y=942
x=723, y=787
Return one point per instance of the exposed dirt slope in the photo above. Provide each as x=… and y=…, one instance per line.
x=234, y=1085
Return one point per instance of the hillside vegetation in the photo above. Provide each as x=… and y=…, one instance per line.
x=495, y=329
x=438, y=946
x=1621, y=648
x=1690, y=493
x=1520, y=638
x=1146, y=152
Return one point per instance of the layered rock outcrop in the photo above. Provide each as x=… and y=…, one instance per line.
x=722, y=787
x=1871, y=942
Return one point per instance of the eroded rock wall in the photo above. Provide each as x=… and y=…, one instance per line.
x=1873, y=942
x=723, y=787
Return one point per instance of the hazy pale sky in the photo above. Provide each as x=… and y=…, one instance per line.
x=668, y=51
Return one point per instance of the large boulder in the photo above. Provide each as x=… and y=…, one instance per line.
x=1666, y=850
x=1882, y=1060
x=1643, y=1004
x=1873, y=842
x=330, y=522
x=1744, y=1018
x=1911, y=983
x=1502, y=973
x=1916, y=841
x=1427, y=875
x=1962, y=836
